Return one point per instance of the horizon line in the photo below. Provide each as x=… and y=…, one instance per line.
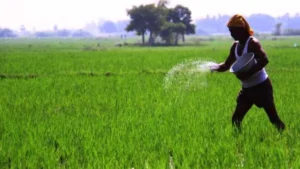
x=102, y=19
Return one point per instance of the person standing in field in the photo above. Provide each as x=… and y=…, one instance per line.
x=256, y=85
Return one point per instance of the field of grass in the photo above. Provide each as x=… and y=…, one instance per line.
x=75, y=104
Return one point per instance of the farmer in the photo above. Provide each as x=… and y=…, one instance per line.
x=256, y=85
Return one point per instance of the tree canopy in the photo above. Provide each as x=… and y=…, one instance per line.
x=159, y=20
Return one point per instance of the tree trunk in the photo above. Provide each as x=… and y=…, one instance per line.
x=183, y=38
x=151, y=39
x=176, y=38
x=143, y=38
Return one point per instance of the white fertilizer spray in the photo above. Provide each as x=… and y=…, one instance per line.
x=188, y=75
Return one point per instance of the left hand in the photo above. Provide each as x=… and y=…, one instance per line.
x=214, y=68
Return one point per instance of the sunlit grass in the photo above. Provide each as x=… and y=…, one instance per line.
x=64, y=107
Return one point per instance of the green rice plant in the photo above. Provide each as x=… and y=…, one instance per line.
x=65, y=107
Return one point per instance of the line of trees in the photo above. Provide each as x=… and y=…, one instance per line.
x=261, y=23
x=160, y=21
x=63, y=33
x=5, y=32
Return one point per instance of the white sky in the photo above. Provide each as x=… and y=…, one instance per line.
x=43, y=14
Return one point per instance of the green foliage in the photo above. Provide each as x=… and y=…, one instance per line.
x=181, y=14
x=145, y=18
x=169, y=31
x=160, y=20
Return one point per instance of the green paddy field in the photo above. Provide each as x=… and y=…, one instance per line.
x=85, y=103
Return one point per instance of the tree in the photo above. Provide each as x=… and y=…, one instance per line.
x=278, y=29
x=55, y=28
x=137, y=22
x=44, y=34
x=146, y=18
x=163, y=3
x=22, y=28
x=161, y=21
x=261, y=22
x=181, y=14
x=81, y=33
x=109, y=27
x=7, y=33
x=63, y=33
x=170, y=31
x=211, y=25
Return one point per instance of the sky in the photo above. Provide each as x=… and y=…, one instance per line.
x=44, y=14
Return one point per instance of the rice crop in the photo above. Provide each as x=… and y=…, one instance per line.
x=62, y=106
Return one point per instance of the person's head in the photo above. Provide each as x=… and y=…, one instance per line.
x=239, y=27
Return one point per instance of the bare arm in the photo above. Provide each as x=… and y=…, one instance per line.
x=228, y=62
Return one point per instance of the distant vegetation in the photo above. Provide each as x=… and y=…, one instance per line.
x=261, y=23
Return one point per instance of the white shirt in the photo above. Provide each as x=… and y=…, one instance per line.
x=256, y=78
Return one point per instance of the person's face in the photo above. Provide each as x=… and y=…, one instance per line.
x=237, y=33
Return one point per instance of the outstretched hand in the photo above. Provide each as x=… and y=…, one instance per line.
x=214, y=68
